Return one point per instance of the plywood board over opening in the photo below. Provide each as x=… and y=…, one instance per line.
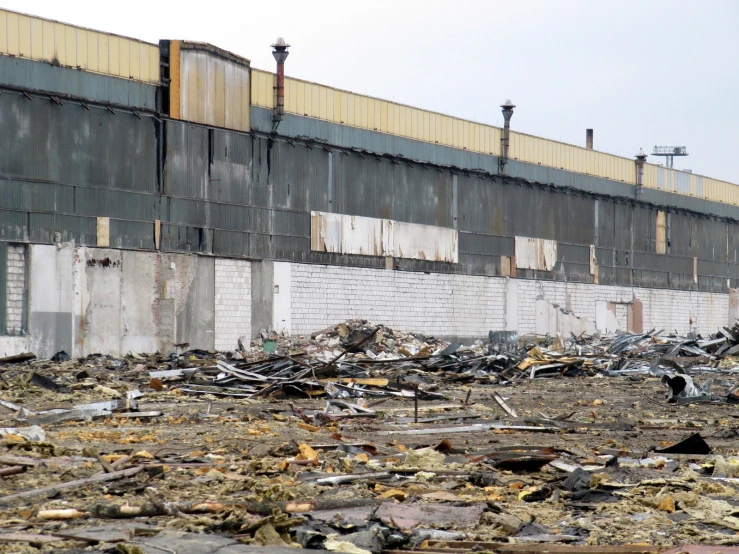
x=534, y=253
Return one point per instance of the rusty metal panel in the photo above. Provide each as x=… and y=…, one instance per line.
x=35, y=38
x=348, y=234
x=533, y=253
x=214, y=86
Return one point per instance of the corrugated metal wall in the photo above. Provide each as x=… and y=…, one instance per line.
x=347, y=108
x=62, y=166
x=34, y=38
x=40, y=76
x=233, y=194
x=213, y=90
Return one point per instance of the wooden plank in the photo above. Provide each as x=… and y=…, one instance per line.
x=77, y=483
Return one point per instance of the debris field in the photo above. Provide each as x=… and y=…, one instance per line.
x=362, y=438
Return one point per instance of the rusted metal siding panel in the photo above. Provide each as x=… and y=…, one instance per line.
x=213, y=90
x=34, y=38
x=175, y=81
x=366, y=236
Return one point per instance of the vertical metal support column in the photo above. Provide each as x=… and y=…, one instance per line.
x=330, y=184
x=455, y=202
x=3, y=287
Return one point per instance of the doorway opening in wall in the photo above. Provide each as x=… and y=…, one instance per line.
x=13, y=289
x=612, y=316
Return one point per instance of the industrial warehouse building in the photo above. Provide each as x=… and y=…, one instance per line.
x=159, y=194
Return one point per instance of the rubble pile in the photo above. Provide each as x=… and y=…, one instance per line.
x=362, y=438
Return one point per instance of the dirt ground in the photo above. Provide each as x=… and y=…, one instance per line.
x=257, y=462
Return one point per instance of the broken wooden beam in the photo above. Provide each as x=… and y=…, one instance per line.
x=130, y=472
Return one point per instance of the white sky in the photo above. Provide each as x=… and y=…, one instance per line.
x=640, y=73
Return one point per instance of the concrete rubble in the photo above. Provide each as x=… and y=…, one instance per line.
x=361, y=438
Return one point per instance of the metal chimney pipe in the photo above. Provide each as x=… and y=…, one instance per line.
x=641, y=159
x=280, y=53
x=507, y=107
x=589, y=139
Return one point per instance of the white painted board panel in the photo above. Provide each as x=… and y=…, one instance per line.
x=533, y=253
x=368, y=236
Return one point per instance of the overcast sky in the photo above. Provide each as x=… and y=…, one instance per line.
x=640, y=73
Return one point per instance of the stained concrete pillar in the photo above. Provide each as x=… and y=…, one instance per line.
x=733, y=307
x=281, y=304
x=511, y=304
x=51, y=299
x=262, y=296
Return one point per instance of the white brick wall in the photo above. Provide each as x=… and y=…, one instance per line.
x=469, y=306
x=16, y=288
x=671, y=310
x=233, y=303
x=434, y=304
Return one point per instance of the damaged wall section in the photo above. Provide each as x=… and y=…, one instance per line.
x=468, y=306
x=369, y=236
x=87, y=300
x=608, y=308
x=533, y=253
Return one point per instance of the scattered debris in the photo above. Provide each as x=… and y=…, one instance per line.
x=361, y=438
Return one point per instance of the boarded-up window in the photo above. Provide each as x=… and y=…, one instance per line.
x=103, y=231
x=534, y=253
x=369, y=236
x=594, y=265
x=661, y=233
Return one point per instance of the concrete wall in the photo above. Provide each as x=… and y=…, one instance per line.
x=52, y=303
x=86, y=300
x=10, y=346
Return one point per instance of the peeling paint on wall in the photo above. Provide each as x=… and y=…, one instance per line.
x=532, y=253
x=368, y=236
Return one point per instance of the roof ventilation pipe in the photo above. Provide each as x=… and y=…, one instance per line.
x=507, y=107
x=279, y=51
x=641, y=159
